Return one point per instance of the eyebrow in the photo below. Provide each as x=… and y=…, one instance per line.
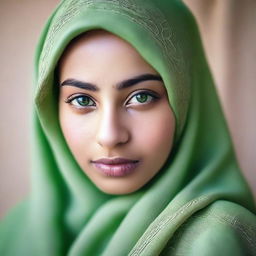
x=80, y=84
x=122, y=85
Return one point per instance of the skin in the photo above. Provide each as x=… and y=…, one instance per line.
x=135, y=122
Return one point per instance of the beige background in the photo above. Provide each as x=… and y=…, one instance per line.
x=229, y=35
x=21, y=22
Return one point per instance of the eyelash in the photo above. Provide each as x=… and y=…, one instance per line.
x=147, y=93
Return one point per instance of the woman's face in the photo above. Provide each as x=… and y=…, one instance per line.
x=114, y=112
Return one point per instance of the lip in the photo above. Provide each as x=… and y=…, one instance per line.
x=115, y=167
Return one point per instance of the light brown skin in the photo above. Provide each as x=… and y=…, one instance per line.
x=115, y=124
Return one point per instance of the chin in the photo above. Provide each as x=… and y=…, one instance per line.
x=118, y=189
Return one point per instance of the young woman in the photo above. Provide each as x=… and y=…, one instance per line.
x=131, y=153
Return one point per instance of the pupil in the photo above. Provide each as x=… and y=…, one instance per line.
x=142, y=97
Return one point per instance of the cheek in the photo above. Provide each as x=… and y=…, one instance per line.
x=77, y=131
x=156, y=132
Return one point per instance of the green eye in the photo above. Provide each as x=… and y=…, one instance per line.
x=142, y=98
x=81, y=101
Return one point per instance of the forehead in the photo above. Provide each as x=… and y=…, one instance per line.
x=100, y=50
x=100, y=39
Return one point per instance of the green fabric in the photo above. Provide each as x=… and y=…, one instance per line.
x=199, y=203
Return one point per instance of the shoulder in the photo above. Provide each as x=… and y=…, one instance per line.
x=223, y=228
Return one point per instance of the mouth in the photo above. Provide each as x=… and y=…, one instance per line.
x=115, y=167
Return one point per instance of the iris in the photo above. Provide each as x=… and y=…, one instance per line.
x=83, y=101
x=142, y=97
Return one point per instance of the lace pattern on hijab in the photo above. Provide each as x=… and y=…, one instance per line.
x=146, y=16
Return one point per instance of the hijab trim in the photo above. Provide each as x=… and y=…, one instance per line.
x=193, y=206
x=162, y=224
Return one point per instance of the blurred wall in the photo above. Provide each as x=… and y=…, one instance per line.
x=229, y=36
x=20, y=25
x=228, y=32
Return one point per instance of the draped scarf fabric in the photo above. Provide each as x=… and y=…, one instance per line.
x=65, y=213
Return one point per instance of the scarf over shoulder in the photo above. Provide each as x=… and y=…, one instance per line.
x=198, y=204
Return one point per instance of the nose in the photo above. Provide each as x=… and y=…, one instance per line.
x=112, y=130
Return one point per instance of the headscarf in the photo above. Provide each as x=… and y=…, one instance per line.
x=66, y=214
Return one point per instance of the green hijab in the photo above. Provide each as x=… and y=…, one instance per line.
x=198, y=204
